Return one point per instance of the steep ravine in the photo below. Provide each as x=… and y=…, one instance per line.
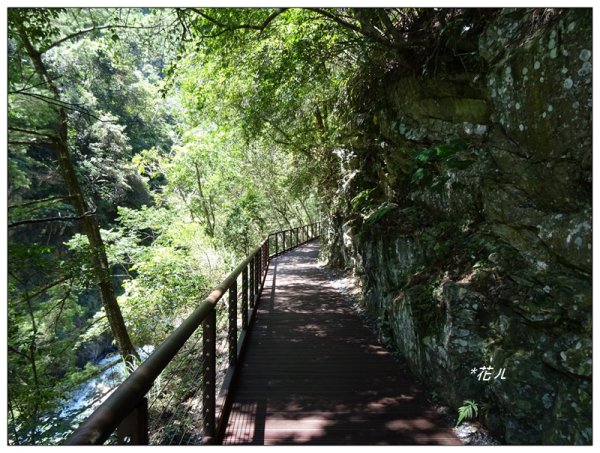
x=465, y=211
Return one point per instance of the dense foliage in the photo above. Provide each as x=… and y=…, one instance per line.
x=164, y=144
x=178, y=198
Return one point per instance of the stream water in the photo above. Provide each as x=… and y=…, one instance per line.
x=58, y=424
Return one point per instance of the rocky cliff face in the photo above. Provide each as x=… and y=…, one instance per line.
x=465, y=210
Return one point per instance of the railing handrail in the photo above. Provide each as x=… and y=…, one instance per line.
x=106, y=418
x=273, y=233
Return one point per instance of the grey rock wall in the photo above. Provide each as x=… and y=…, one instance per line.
x=484, y=257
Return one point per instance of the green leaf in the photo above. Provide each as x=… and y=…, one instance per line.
x=467, y=411
x=381, y=212
x=451, y=148
x=438, y=182
x=459, y=164
x=361, y=200
x=418, y=175
x=426, y=155
x=444, y=151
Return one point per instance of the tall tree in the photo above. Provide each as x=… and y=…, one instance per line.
x=29, y=26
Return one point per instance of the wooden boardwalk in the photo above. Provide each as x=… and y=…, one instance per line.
x=313, y=374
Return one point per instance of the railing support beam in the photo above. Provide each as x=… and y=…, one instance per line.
x=245, y=298
x=233, y=323
x=252, y=277
x=133, y=430
x=256, y=260
x=209, y=339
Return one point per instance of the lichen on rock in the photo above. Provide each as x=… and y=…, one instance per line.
x=489, y=264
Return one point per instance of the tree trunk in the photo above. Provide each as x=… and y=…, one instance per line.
x=283, y=214
x=88, y=222
x=210, y=228
x=308, y=216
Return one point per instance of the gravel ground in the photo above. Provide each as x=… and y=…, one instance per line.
x=470, y=433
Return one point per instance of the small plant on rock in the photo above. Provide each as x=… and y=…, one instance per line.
x=467, y=411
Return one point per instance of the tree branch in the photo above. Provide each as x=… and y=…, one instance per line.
x=25, y=88
x=51, y=219
x=29, y=142
x=62, y=104
x=16, y=351
x=91, y=29
x=42, y=290
x=260, y=27
x=27, y=131
x=43, y=97
x=388, y=24
x=376, y=37
x=34, y=202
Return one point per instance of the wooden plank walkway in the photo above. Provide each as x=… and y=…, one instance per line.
x=313, y=374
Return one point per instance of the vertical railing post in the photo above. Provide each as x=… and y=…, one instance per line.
x=260, y=263
x=261, y=260
x=276, y=243
x=245, y=298
x=209, y=339
x=133, y=430
x=233, y=323
x=284, y=245
x=251, y=289
x=297, y=236
x=256, y=274
x=265, y=259
x=267, y=247
x=257, y=278
x=269, y=240
x=260, y=267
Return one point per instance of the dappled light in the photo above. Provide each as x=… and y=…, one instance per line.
x=299, y=225
x=313, y=374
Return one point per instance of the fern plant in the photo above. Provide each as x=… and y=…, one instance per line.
x=362, y=201
x=467, y=411
x=431, y=164
x=380, y=212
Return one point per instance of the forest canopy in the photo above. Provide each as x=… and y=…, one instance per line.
x=149, y=150
x=137, y=179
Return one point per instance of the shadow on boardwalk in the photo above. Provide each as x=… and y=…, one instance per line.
x=313, y=374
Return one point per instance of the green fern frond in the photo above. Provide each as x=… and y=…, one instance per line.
x=467, y=411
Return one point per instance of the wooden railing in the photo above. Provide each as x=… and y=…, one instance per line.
x=284, y=240
x=124, y=416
